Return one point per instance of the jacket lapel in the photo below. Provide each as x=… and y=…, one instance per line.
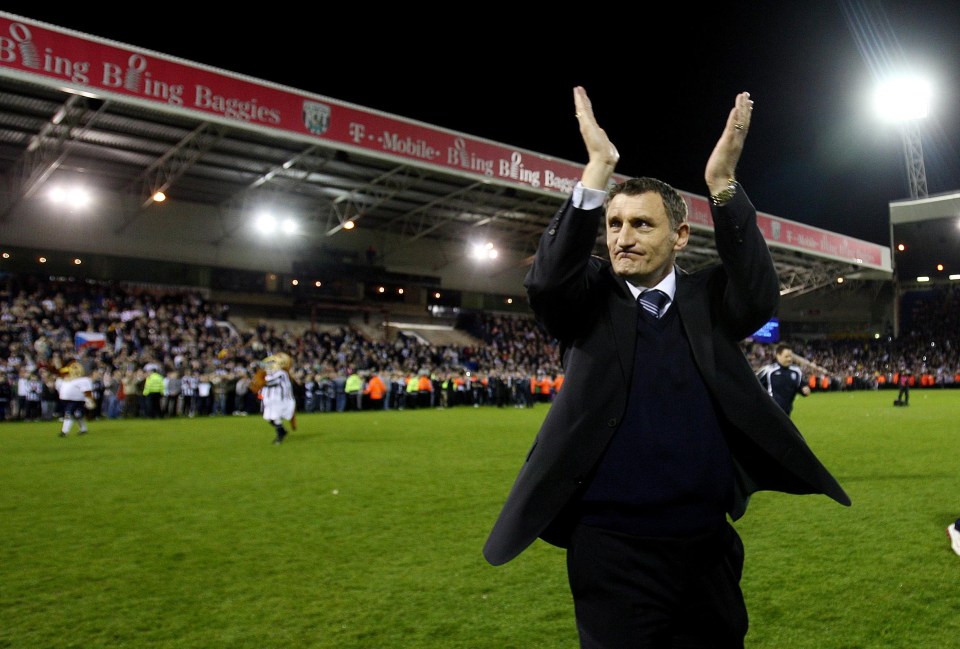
x=622, y=321
x=695, y=318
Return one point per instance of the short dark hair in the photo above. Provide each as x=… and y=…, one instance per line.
x=672, y=199
x=782, y=347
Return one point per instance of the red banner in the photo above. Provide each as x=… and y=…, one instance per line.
x=88, y=64
x=783, y=233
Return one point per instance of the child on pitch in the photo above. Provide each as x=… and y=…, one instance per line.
x=276, y=392
x=76, y=394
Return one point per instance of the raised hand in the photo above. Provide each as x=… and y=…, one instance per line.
x=602, y=154
x=722, y=164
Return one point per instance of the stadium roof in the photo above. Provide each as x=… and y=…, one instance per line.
x=137, y=121
x=928, y=228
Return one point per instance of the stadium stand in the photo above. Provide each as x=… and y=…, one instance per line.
x=395, y=294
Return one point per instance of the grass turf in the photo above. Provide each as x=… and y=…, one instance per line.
x=364, y=531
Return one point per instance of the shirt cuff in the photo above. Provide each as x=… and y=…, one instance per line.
x=586, y=198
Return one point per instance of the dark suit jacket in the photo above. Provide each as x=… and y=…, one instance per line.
x=593, y=314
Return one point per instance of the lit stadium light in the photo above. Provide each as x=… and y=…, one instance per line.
x=903, y=99
x=265, y=223
x=70, y=196
x=481, y=251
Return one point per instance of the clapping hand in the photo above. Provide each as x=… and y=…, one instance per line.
x=602, y=154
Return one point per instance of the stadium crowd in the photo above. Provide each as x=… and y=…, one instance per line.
x=167, y=352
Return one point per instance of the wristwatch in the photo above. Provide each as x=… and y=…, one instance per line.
x=726, y=194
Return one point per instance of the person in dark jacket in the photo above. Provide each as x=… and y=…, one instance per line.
x=661, y=432
x=782, y=379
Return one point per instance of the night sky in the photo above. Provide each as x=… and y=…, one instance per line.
x=662, y=82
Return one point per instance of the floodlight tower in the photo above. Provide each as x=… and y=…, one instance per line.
x=913, y=153
x=906, y=101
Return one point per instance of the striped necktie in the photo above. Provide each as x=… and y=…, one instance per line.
x=652, y=301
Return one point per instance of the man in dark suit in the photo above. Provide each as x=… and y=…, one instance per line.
x=661, y=431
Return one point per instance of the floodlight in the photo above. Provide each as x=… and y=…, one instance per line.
x=265, y=223
x=903, y=99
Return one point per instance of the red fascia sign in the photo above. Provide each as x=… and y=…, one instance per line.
x=87, y=64
x=784, y=233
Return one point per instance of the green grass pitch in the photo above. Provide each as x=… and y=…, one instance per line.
x=364, y=531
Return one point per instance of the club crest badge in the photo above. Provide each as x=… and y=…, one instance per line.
x=775, y=229
x=316, y=117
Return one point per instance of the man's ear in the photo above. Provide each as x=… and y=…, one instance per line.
x=683, y=237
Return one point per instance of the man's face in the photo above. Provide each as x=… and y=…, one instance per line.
x=785, y=357
x=640, y=240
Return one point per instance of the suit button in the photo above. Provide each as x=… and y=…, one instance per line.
x=612, y=422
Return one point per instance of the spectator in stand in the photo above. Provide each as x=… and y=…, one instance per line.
x=340, y=391
x=783, y=380
x=204, y=395
x=354, y=391
x=96, y=379
x=49, y=399
x=374, y=392
x=241, y=393
x=112, y=394
x=557, y=384
x=132, y=393
x=172, y=399
x=34, y=396
x=189, y=397
x=23, y=392
x=153, y=391
x=311, y=392
x=328, y=396
x=221, y=392
x=6, y=394
x=424, y=390
x=398, y=390
x=903, y=397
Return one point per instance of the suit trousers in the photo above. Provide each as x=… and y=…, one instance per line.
x=638, y=592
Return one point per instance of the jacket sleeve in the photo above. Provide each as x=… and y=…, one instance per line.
x=558, y=280
x=752, y=291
